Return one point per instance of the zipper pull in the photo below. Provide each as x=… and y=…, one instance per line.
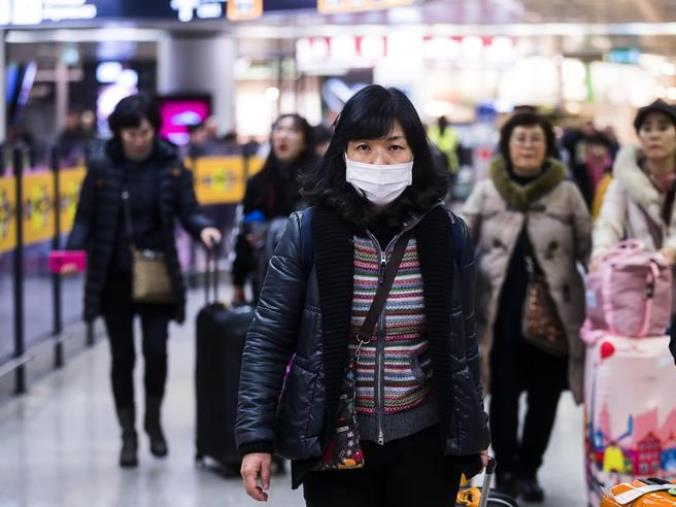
x=383, y=265
x=381, y=438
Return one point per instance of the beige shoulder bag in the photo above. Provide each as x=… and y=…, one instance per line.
x=149, y=274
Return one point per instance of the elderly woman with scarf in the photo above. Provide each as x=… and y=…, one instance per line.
x=531, y=228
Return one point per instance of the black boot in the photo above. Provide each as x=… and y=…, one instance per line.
x=151, y=423
x=128, y=457
x=505, y=482
x=529, y=489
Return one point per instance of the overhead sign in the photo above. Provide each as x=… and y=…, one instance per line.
x=39, y=12
x=342, y=6
x=288, y=5
x=241, y=10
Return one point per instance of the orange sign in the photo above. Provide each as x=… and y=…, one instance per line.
x=338, y=6
x=255, y=165
x=7, y=214
x=242, y=10
x=70, y=181
x=219, y=180
x=38, y=207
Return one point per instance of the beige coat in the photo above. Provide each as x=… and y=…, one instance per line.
x=559, y=229
x=621, y=215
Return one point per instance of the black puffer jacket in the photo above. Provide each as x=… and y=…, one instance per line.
x=97, y=220
x=306, y=311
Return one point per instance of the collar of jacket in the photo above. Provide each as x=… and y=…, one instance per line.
x=627, y=170
x=334, y=256
x=162, y=152
x=520, y=197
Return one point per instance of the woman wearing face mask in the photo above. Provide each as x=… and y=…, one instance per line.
x=531, y=228
x=273, y=192
x=131, y=198
x=371, y=293
x=639, y=203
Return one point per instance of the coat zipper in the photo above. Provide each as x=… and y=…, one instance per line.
x=380, y=340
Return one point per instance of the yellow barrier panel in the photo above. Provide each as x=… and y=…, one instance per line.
x=70, y=181
x=38, y=204
x=255, y=166
x=219, y=180
x=7, y=214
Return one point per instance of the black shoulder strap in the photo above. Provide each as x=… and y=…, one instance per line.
x=306, y=247
x=366, y=330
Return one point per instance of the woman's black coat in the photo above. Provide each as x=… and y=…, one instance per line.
x=99, y=211
x=305, y=310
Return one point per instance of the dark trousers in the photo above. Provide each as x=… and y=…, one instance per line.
x=517, y=366
x=406, y=472
x=118, y=314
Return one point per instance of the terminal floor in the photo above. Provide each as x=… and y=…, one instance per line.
x=59, y=445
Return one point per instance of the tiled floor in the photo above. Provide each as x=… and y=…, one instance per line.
x=59, y=444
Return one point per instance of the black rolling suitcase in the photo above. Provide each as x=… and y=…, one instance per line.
x=221, y=332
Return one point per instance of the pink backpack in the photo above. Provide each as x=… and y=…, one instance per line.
x=630, y=293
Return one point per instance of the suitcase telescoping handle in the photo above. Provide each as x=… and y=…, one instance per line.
x=211, y=281
x=485, y=489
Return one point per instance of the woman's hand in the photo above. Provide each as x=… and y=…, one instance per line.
x=210, y=236
x=484, y=458
x=68, y=268
x=256, y=465
x=669, y=253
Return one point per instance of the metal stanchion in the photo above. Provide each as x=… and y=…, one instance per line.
x=19, y=343
x=57, y=293
x=192, y=263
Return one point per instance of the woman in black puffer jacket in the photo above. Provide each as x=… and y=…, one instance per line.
x=160, y=191
x=395, y=419
x=272, y=193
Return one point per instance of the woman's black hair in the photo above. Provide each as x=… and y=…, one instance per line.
x=370, y=114
x=131, y=111
x=527, y=119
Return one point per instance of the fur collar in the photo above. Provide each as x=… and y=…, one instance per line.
x=520, y=197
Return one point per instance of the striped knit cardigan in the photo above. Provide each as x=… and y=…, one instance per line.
x=406, y=361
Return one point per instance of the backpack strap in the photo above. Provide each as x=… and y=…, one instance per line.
x=457, y=239
x=306, y=246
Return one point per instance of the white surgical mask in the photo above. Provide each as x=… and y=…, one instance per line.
x=379, y=183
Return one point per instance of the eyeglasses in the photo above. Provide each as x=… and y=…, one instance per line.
x=525, y=140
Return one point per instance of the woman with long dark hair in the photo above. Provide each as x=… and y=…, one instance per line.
x=370, y=296
x=272, y=193
x=129, y=202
